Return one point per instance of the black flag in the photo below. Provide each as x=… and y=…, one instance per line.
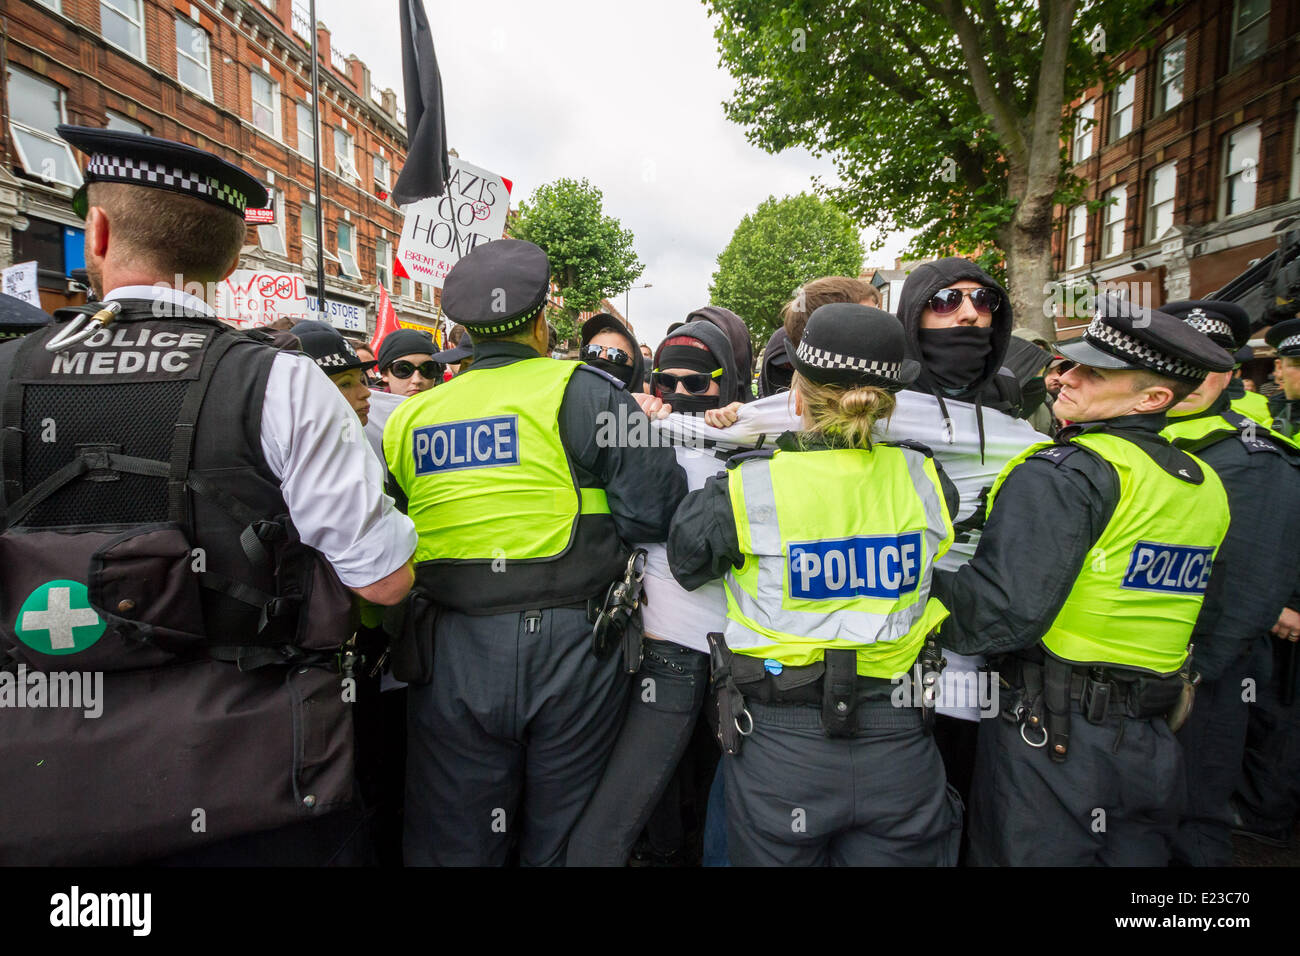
x=427, y=168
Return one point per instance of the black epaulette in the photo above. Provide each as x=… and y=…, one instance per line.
x=909, y=443
x=1056, y=454
x=738, y=459
x=584, y=367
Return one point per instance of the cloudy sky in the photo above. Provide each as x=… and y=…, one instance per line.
x=626, y=95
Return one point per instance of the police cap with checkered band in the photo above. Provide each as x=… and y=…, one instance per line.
x=849, y=345
x=138, y=160
x=328, y=348
x=498, y=288
x=1285, y=337
x=1126, y=336
x=1226, y=323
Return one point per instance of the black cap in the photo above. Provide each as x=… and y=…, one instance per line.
x=1126, y=336
x=849, y=344
x=498, y=287
x=456, y=353
x=1285, y=337
x=327, y=346
x=140, y=160
x=1226, y=323
x=604, y=322
x=403, y=342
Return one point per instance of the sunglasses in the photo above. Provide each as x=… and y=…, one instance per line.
x=948, y=301
x=696, y=383
x=404, y=369
x=616, y=355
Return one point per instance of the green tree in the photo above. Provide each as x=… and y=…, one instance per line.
x=939, y=115
x=591, y=253
x=782, y=245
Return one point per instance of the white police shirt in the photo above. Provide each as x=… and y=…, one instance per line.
x=313, y=443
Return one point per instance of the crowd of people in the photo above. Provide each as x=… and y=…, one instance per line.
x=918, y=588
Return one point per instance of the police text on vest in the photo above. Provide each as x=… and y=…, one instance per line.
x=476, y=443
x=877, y=566
x=75, y=908
x=1169, y=568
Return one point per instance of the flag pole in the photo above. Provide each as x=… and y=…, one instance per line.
x=315, y=140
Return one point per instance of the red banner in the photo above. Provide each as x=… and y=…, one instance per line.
x=385, y=321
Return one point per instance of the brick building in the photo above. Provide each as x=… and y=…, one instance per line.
x=1195, y=151
x=230, y=76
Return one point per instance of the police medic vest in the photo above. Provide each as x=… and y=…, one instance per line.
x=1254, y=406
x=142, y=523
x=839, y=547
x=1138, y=595
x=502, y=522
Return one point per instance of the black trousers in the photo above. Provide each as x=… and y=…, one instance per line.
x=1269, y=791
x=1115, y=801
x=507, y=743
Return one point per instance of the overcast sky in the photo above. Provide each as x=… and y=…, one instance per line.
x=626, y=95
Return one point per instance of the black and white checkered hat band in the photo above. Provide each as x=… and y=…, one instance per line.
x=1125, y=346
x=105, y=168
x=834, y=360
x=1208, y=325
x=335, y=360
x=1289, y=343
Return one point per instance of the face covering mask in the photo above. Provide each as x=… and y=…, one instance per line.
x=955, y=358
x=691, y=404
x=621, y=372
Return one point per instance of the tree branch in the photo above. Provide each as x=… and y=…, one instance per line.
x=992, y=22
x=1044, y=157
x=1002, y=112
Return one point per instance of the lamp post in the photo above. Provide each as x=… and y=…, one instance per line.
x=627, y=294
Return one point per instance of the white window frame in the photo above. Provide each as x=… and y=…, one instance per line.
x=274, y=106
x=55, y=5
x=384, y=263
x=1113, y=222
x=1076, y=240
x=1121, y=111
x=137, y=22
x=1084, y=127
x=276, y=228
x=1163, y=82
x=345, y=164
x=385, y=181
x=308, y=243
x=1153, y=206
x=205, y=64
x=47, y=136
x=1238, y=30
x=124, y=123
x=408, y=289
x=347, y=257
x=1295, y=155
x=1247, y=175
x=298, y=115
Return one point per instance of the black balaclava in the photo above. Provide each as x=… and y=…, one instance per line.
x=621, y=372
x=956, y=358
x=697, y=360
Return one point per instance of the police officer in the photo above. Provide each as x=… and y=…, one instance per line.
x=1210, y=316
x=523, y=510
x=1285, y=406
x=1087, y=583
x=185, y=510
x=1254, y=578
x=826, y=546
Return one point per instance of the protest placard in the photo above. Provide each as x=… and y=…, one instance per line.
x=250, y=297
x=441, y=229
x=20, y=282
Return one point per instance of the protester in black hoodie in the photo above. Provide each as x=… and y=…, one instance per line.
x=742, y=350
x=698, y=347
x=775, y=373
x=601, y=335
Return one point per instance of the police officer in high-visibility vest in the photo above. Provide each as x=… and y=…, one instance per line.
x=1210, y=316
x=826, y=546
x=525, y=477
x=1285, y=406
x=1087, y=583
x=1251, y=584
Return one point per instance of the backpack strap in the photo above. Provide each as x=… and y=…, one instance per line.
x=11, y=417
x=178, y=504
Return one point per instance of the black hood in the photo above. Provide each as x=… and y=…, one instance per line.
x=719, y=345
x=776, y=349
x=742, y=350
x=606, y=322
x=925, y=281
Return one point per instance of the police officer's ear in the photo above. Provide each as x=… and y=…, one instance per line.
x=97, y=234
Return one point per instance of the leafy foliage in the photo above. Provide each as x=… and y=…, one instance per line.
x=783, y=244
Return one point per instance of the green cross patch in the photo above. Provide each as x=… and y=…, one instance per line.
x=57, y=618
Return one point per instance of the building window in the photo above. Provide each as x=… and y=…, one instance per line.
x=343, y=162
x=408, y=288
x=270, y=235
x=1121, y=108
x=266, y=104
x=1249, y=30
x=381, y=172
x=306, y=136
x=125, y=124
x=1112, y=235
x=1083, y=123
x=55, y=5
x=193, y=64
x=123, y=24
x=1078, y=236
x=1240, y=170
x=308, y=224
x=1160, y=207
x=384, y=263
x=1173, y=59
x=347, y=250
x=1295, y=155
x=35, y=108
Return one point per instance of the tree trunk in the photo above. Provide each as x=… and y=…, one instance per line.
x=1029, y=277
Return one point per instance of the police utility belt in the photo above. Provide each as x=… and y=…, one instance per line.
x=1041, y=695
